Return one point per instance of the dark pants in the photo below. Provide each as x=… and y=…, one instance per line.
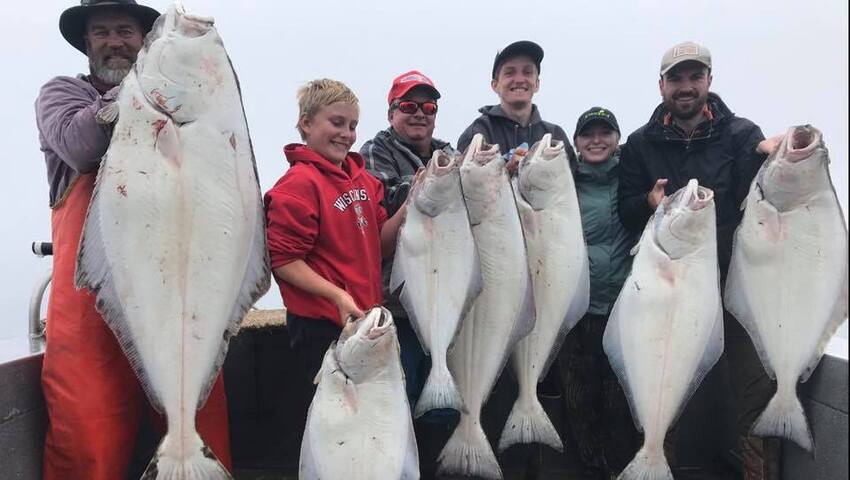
x=435, y=427
x=597, y=410
x=310, y=339
x=752, y=389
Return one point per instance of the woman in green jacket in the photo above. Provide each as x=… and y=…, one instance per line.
x=597, y=409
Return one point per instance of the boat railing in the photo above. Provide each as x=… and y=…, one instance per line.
x=37, y=322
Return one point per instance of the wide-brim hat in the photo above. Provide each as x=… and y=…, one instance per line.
x=72, y=22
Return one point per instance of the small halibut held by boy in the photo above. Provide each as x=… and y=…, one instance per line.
x=359, y=425
x=557, y=257
x=174, y=239
x=665, y=331
x=787, y=281
x=436, y=261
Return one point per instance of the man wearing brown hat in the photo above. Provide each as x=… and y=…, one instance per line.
x=94, y=401
x=693, y=134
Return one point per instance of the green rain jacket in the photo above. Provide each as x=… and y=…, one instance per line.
x=608, y=241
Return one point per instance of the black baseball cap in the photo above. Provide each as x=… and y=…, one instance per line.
x=522, y=47
x=596, y=114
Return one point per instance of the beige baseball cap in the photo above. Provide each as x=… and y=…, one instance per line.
x=684, y=52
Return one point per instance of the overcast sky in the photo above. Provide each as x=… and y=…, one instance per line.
x=778, y=63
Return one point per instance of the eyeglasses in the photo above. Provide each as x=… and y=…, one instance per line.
x=428, y=107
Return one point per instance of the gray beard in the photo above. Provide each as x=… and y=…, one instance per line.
x=111, y=76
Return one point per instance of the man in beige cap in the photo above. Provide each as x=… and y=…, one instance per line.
x=693, y=134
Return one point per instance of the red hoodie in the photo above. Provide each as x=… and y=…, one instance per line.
x=332, y=220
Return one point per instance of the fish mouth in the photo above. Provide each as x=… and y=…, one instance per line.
x=800, y=142
x=380, y=321
x=692, y=197
x=442, y=163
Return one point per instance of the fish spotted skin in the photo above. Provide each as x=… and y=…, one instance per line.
x=174, y=239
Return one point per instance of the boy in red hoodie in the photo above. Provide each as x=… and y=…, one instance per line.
x=327, y=226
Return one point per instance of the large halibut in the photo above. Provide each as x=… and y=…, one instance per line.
x=501, y=314
x=787, y=281
x=174, y=239
x=437, y=263
x=665, y=331
x=557, y=258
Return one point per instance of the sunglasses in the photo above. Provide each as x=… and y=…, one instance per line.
x=428, y=107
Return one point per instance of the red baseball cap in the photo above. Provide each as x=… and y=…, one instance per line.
x=409, y=80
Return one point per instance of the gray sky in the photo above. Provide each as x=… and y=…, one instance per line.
x=778, y=63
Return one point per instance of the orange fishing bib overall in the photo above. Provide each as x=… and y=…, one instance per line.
x=94, y=401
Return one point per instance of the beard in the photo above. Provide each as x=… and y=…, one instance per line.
x=98, y=66
x=685, y=113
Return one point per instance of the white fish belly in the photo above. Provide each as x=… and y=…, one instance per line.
x=667, y=318
x=179, y=215
x=369, y=438
x=487, y=333
x=557, y=259
x=437, y=258
x=787, y=282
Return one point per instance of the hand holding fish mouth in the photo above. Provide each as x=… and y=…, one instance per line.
x=346, y=306
x=656, y=195
x=769, y=145
x=514, y=156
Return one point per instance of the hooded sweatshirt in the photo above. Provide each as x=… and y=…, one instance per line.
x=331, y=218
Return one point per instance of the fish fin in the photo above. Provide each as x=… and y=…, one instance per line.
x=168, y=142
x=94, y=273
x=647, y=467
x=613, y=347
x=839, y=315
x=735, y=299
x=173, y=461
x=349, y=394
x=108, y=115
x=440, y=391
x=710, y=356
x=784, y=417
x=255, y=284
x=578, y=307
x=646, y=232
x=476, y=285
x=468, y=453
x=527, y=315
x=410, y=467
x=529, y=425
x=307, y=461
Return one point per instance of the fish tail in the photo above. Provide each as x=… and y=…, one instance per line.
x=440, y=391
x=529, y=423
x=784, y=417
x=647, y=466
x=468, y=453
x=173, y=463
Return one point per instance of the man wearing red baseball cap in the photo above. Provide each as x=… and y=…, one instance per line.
x=394, y=156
